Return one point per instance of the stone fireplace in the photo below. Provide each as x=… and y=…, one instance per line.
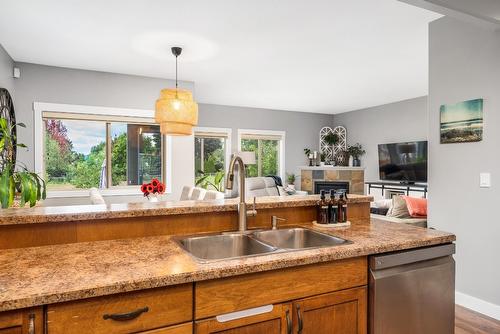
x=328, y=185
x=314, y=179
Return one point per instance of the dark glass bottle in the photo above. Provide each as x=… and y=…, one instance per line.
x=332, y=208
x=322, y=209
x=340, y=208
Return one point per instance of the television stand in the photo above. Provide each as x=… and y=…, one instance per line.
x=398, y=186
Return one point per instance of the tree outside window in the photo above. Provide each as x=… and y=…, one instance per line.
x=266, y=155
x=76, y=152
x=209, y=160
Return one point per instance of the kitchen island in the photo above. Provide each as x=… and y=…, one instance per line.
x=150, y=284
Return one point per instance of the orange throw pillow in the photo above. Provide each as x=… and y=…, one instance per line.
x=416, y=206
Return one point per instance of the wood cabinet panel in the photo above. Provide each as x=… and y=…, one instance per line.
x=338, y=312
x=179, y=329
x=24, y=321
x=278, y=321
x=243, y=292
x=165, y=306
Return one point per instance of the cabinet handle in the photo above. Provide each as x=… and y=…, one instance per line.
x=31, y=323
x=288, y=323
x=126, y=316
x=299, y=318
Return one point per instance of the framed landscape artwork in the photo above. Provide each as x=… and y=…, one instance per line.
x=462, y=122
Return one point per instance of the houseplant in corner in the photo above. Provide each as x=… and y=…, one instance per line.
x=17, y=183
x=356, y=151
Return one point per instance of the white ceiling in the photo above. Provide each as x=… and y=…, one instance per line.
x=325, y=56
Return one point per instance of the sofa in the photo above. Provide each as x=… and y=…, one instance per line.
x=381, y=210
x=262, y=186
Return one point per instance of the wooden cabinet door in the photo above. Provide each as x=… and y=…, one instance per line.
x=186, y=328
x=277, y=321
x=341, y=312
x=25, y=321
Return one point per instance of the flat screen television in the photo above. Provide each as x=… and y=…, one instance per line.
x=403, y=162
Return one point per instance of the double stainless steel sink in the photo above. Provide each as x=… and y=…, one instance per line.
x=237, y=245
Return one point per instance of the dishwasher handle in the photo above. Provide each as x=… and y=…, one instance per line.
x=384, y=261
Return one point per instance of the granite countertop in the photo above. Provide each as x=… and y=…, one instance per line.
x=51, y=274
x=58, y=214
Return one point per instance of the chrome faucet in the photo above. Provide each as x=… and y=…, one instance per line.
x=242, y=206
x=274, y=222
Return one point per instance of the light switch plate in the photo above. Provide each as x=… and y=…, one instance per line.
x=485, y=180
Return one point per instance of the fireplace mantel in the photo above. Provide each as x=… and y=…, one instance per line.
x=354, y=176
x=327, y=167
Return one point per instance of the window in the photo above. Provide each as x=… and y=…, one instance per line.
x=77, y=149
x=269, y=153
x=211, y=150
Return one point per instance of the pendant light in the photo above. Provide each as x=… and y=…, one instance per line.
x=176, y=111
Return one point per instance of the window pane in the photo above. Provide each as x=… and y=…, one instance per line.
x=252, y=146
x=269, y=157
x=74, y=154
x=135, y=153
x=209, y=160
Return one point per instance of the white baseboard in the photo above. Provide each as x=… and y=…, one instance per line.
x=478, y=305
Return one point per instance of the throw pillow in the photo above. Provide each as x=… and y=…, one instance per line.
x=383, y=203
x=417, y=207
x=282, y=191
x=399, y=208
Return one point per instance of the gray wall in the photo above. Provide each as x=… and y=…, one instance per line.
x=40, y=83
x=465, y=64
x=389, y=123
x=6, y=68
x=302, y=129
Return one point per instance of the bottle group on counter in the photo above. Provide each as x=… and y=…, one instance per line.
x=333, y=210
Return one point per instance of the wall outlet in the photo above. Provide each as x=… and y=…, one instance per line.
x=484, y=180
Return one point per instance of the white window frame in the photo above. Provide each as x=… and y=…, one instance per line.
x=227, y=132
x=271, y=133
x=40, y=107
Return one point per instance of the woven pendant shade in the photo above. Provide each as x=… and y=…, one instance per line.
x=177, y=112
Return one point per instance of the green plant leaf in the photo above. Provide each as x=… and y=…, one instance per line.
x=21, y=145
x=36, y=179
x=218, y=177
x=34, y=191
x=12, y=189
x=201, y=180
x=21, y=125
x=5, y=187
x=3, y=124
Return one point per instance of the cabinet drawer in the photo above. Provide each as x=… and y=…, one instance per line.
x=123, y=313
x=247, y=291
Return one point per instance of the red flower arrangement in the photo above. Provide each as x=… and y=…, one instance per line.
x=154, y=187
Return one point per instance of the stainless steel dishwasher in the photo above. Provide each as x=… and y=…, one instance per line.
x=413, y=292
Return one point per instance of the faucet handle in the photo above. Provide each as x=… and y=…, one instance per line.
x=253, y=212
x=274, y=221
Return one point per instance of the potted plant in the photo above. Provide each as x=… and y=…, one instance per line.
x=291, y=180
x=356, y=151
x=322, y=157
x=17, y=183
x=205, y=180
x=309, y=155
x=331, y=139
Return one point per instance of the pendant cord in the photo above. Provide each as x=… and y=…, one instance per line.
x=176, y=85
